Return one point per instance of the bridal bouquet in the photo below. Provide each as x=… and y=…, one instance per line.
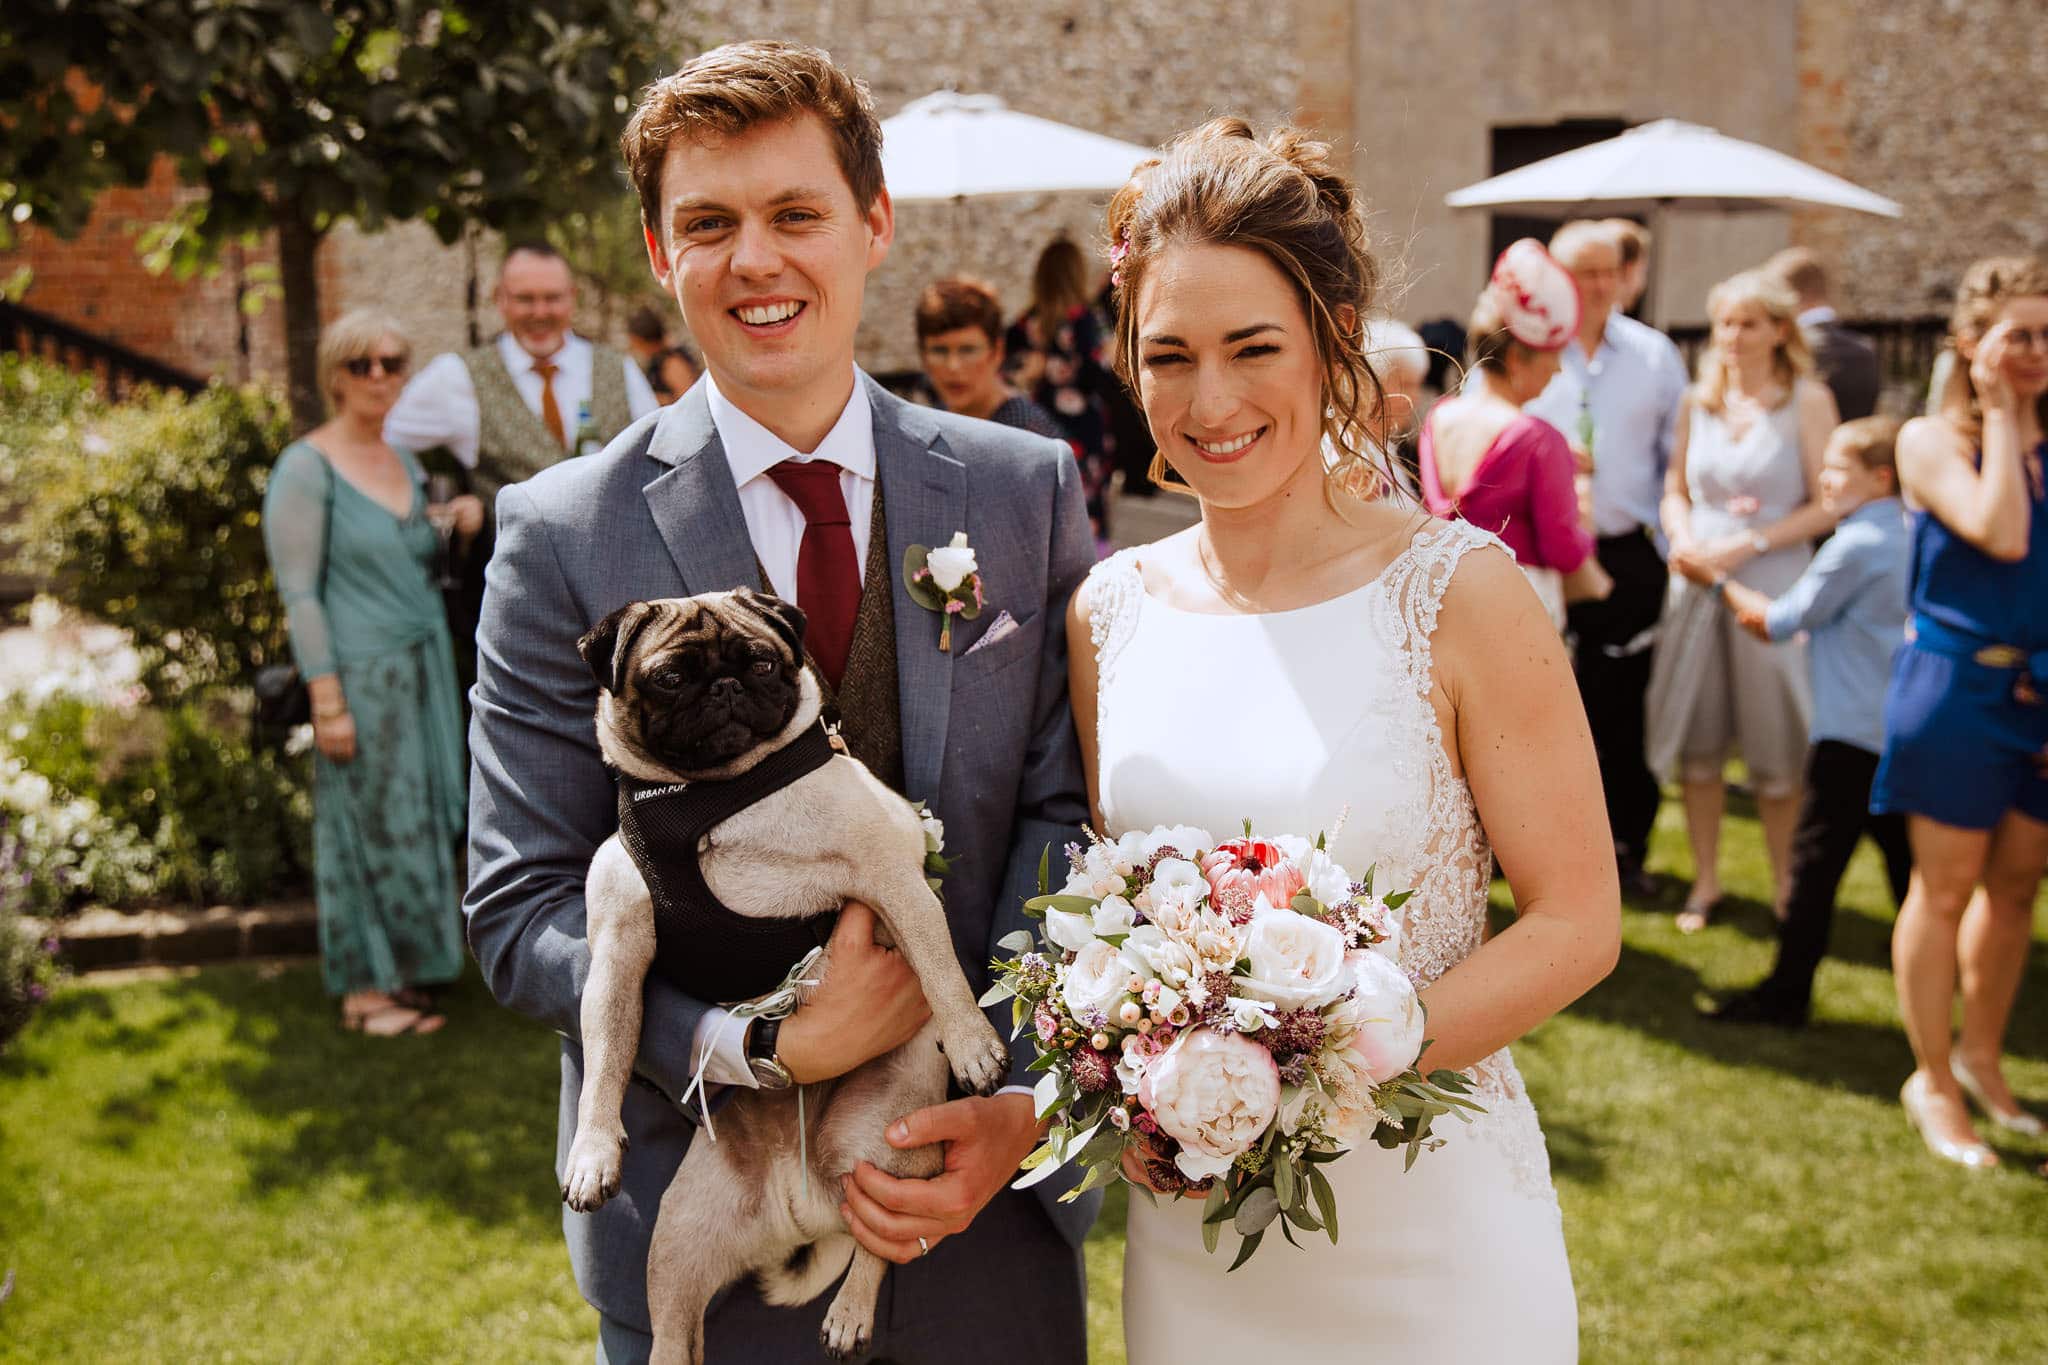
x=1233, y=1010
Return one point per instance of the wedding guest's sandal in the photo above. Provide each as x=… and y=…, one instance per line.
x=385, y=1017
x=1974, y=1153
x=419, y=998
x=2013, y=1120
x=1698, y=914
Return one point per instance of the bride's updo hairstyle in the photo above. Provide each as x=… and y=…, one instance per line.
x=1284, y=197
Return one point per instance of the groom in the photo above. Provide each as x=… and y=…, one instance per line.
x=759, y=172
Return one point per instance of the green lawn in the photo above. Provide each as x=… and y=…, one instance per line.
x=207, y=1169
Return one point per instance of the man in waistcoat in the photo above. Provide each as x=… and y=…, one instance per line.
x=510, y=408
x=787, y=469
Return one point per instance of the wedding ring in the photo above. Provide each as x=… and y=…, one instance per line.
x=924, y=1248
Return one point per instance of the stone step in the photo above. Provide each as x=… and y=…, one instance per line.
x=104, y=940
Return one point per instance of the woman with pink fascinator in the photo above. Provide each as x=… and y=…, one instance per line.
x=1486, y=461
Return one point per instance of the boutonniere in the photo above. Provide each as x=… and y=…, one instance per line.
x=946, y=581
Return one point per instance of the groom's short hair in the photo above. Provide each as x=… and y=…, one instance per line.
x=730, y=89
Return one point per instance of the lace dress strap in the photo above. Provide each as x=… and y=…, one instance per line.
x=1416, y=583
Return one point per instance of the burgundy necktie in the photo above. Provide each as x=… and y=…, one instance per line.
x=827, y=571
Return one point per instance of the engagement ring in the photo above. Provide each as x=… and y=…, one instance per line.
x=924, y=1248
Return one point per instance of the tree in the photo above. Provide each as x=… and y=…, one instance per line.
x=293, y=115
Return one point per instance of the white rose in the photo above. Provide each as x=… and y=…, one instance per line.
x=1389, y=1019
x=1327, y=882
x=1186, y=839
x=1295, y=960
x=1069, y=929
x=1114, y=915
x=1214, y=1093
x=934, y=832
x=1095, y=979
x=950, y=564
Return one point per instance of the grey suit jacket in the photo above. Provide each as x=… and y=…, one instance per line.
x=988, y=738
x=1847, y=362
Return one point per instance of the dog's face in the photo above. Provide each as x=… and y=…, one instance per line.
x=696, y=683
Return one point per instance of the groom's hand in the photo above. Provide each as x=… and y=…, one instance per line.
x=984, y=1140
x=869, y=1003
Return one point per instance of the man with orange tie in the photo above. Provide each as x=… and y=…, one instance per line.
x=511, y=408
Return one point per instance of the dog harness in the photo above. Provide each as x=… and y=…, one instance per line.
x=706, y=948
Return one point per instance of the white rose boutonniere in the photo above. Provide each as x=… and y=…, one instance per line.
x=945, y=580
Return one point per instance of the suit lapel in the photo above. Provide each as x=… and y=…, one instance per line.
x=924, y=501
x=694, y=504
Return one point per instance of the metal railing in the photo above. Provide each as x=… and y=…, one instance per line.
x=117, y=368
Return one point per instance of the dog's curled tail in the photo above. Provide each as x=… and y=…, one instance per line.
x=809, y=1271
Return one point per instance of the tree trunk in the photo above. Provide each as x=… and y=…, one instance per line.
x=298, y=250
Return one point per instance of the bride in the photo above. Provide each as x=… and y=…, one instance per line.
x=1300, y=653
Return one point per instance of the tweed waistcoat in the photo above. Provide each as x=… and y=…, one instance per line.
x=869, y=698
x=512, y=442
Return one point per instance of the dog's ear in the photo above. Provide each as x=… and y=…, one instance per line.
x=609, y=644
x=786, y=617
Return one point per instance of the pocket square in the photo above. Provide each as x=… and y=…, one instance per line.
x=1002, y=628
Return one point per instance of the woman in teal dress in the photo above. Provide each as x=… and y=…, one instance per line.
x=351, y=541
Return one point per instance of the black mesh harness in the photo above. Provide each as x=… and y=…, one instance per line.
x=704, y=947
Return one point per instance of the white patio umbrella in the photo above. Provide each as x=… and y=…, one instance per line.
x=1664, y=165
x=954, y=146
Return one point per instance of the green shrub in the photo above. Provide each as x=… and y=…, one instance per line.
x=148, y=515
x=124, y=805
x=27, y=970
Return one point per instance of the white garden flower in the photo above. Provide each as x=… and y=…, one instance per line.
x=950, y=564
x=1296, y=961
x=1095, y=980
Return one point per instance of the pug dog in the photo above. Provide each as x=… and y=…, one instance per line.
x=702, y=688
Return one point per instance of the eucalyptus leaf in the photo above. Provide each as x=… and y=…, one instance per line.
x=1326, y=1200
x=1045, y=870
x=996, y=994
x=1260, y=1207
x=1072, y=905
x=1018, y=941
x=1284, y=1184
x=1245, y=1249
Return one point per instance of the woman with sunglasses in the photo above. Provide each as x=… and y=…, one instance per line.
x=351, y=542
x=1966, y=716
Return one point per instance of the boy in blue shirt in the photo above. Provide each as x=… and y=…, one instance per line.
x=1851, y=603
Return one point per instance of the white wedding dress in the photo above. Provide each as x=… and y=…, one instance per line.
x=1287, y=719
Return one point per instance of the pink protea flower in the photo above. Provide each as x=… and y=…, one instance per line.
x=1244, y=869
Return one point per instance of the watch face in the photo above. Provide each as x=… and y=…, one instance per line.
x=771, y=1074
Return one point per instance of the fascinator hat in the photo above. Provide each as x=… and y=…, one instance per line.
x=1538, y=299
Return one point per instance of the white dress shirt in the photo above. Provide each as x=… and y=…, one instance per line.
x=439, y=407
x=777, y=529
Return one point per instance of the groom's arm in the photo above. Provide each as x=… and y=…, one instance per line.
x=1052, y=796
x=541, y=801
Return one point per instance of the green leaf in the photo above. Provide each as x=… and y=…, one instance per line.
x=1326, y=1200
x=1245, y=1250
x=1260, y=1207
x=1072, y=905
x=1399, y=899
x=1216, y=1207
x=1018, y=941
x=1284, y=1184
x=996, y=994
x=1045, y=870
x=1212, y=1233
x=922, y=591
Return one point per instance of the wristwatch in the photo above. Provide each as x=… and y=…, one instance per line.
x=1759, y=542
x=769, y=1072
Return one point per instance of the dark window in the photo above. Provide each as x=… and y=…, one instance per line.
x=1515, y=147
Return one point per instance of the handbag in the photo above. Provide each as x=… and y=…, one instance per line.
x=283, y=702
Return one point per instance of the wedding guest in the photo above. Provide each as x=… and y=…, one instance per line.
x=960, y=339
x=1400, y=359
x=1740, y=500
x=1847, y=360
x=1965, y=719
x=510, y=408
x=1055, y=356
x=1487, y=461
x=670, y=369
x=1129, y=438
x=1633, y=239
x=351, y=544
x=1616, y=398
x=1851, y=606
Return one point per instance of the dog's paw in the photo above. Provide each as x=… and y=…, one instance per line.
x=846, y=1332
x=591, y=1174
x=979, y=1057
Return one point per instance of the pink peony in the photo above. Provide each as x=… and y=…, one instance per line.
x=1240, y=870
x=1389, y=1018
x=1215, y=1093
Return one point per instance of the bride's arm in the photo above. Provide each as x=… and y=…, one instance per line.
x=1081, y=687
x=1520, y=733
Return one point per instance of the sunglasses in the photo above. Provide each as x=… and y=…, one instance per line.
x=360, y=367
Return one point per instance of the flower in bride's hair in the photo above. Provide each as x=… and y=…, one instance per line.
x=1119, y=249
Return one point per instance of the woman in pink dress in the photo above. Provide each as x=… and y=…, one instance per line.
x=1486, y=461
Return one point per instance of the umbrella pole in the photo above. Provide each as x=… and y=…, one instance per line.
x=1660, y=246
x=959, y=232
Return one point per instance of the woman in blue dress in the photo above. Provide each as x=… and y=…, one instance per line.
x=1966, y=717
x=352, y=541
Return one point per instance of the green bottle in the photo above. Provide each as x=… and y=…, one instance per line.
x=587, y=440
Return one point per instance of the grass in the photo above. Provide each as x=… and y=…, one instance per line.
x=206, y=1168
